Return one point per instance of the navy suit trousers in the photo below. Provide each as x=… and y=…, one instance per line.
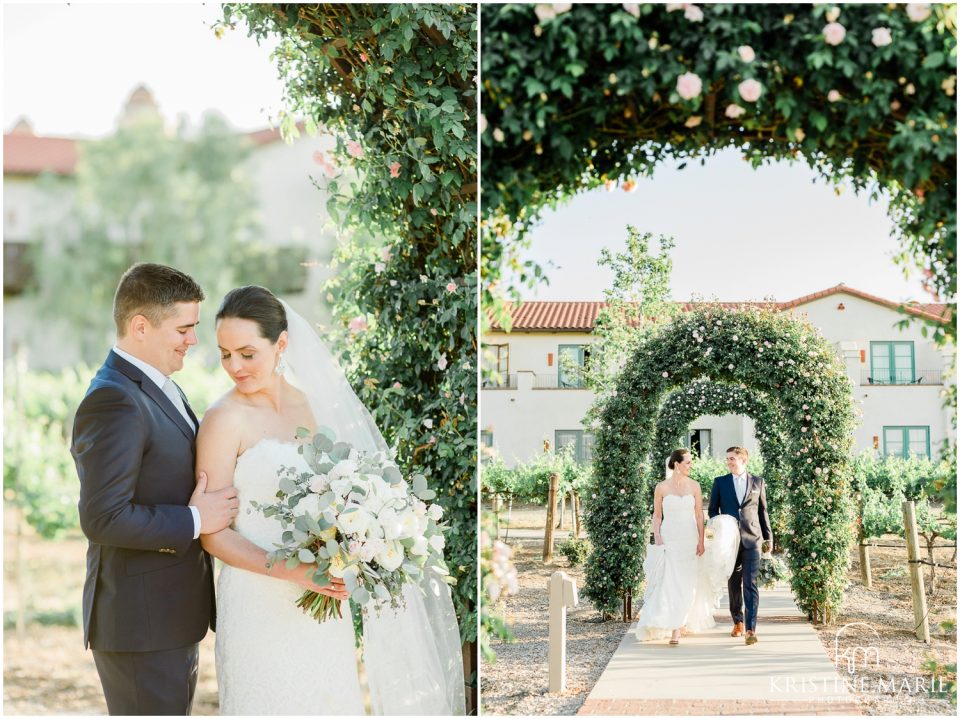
x=742, y=587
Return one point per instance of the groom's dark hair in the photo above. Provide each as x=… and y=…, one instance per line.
x=257, y=304
x=152, y=290
x=739, y=451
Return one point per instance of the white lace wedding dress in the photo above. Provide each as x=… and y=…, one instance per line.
x=682, y=589
x=271, y=657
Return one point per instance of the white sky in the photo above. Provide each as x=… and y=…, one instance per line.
x=70, y=68
x=742, y=234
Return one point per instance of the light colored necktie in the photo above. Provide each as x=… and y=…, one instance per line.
x=741, y=488
x=170, y=389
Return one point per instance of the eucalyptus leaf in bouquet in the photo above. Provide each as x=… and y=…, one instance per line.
x=354, y=517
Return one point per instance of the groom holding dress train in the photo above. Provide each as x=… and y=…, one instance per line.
x=744, y=497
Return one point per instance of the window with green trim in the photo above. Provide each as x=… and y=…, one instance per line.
x=906, y=441
x=486, y=445
x=582, y=443
x=892, y=363
x=571, y=360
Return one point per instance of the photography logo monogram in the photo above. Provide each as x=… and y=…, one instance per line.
x=851, y=653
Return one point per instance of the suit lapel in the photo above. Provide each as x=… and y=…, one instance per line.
x=733, y=490
x=746, y=492
x=149, y=388
x=157, y=395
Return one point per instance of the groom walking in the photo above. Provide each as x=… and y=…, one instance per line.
x=148, y=598
x=744, y=497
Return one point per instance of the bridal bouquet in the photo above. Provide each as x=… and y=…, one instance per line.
x=355, y=516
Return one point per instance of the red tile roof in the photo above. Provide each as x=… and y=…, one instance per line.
x=27, y=154
x=537, y=316
x=30, y=155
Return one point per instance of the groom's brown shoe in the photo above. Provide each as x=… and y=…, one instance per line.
x=737, y=630
x=751, y=638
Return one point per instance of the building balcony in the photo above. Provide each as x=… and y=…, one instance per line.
x=499, y=381
x=902, y=377
x=552, y=381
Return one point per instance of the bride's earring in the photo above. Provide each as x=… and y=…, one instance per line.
x=281, y=366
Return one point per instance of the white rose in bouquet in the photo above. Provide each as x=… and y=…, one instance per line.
x=320, y=484
x=341, y=486
x=437, y=542
x=435, y=512
x=371, y=548
x=410, y=525
x=391, y=557
x=309, y=505
x=353, y=519
x=420, y=547
x=343, y=468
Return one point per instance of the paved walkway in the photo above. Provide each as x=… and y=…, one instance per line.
x=786, y=672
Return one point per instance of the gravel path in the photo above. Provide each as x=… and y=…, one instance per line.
x=517, y=682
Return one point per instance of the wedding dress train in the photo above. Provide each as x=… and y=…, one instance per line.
x=682, y=589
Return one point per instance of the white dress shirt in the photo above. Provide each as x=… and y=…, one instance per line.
x=160, y=379
x=740, y=483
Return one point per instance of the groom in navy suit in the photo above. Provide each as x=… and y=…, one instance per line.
x=148, y=598
x=744, y=497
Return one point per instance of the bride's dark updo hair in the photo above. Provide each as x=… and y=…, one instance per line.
x=257, y=304
x=676, y=457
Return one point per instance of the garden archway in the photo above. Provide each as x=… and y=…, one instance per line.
x=764, y=351
x=703, y=397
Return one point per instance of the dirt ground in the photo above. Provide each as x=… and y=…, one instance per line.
x=894, y=684
x=47, y=670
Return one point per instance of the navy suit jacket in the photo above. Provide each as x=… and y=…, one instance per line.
x=149, y=584
x=751, y=513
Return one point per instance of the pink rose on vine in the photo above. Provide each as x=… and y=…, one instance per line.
x=394, y=169
x=881, y=36
x=354, y=149
x=357, y=324
x=834, y=33
x=321, y=159
x=689, y=85
x=750, y=90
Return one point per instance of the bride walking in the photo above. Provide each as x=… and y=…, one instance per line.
x=681, y=581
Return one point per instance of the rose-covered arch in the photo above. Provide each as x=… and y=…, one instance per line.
x=766, y=352
x=583, y=96
x=700, y=397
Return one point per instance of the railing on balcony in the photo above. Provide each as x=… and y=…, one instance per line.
x=552, y=381
x=500, y=381
x=902, y=377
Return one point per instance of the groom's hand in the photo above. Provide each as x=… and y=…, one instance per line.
x=217, y=509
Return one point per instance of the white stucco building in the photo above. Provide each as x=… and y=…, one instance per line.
x=291, y=214
x=897, y=375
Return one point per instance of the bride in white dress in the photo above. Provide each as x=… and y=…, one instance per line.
x=271, y=657
x=683, y=574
